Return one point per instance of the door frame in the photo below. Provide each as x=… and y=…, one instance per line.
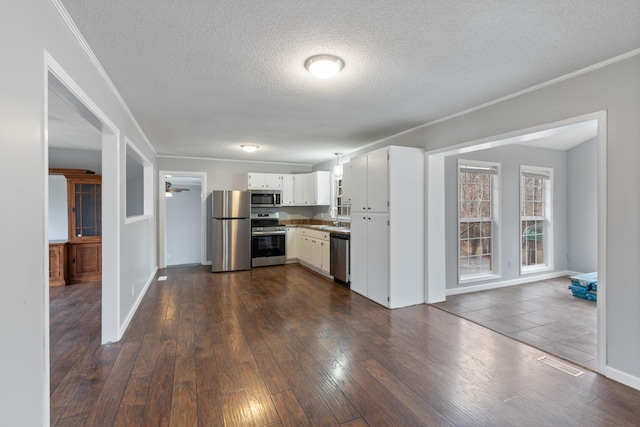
x=162, y=215
x=55, y=78
x=435, y=208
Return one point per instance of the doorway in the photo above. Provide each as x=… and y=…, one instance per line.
x=182, y=218
x=438, y=275
x=59, y=84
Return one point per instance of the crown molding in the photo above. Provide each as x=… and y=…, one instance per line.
x=94, y=60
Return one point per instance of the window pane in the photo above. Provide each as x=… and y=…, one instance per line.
x=472, y=210
x=475, y=231
x=486, y=246
x=88, y=210
x=538, y=209
x=464, y=230
x=88, y=188
x=484, y=210
x=484, y=229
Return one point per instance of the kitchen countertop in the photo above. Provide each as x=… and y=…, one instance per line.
x=324, y=227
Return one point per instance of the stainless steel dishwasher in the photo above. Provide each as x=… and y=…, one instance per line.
x=339, y=263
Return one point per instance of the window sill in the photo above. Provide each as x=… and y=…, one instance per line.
x=535, y=269
x=478, y=278
x=132, y=219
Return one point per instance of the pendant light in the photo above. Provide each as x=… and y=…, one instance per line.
x=337, y=168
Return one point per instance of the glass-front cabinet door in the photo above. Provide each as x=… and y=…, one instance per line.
x=85, y=208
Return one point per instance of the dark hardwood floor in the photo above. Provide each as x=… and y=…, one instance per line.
x=283, y=346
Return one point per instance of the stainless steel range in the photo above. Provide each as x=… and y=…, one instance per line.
x=267, y=239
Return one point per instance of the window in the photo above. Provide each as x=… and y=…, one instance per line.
x=139, y=181
x=343, y=207
x=535, y=217
x=477, y=219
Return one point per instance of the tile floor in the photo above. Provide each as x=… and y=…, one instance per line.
x=543, y=314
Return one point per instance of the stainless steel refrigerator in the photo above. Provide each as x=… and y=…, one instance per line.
x=230, y=230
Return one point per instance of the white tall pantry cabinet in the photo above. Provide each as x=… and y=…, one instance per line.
x=387, y=226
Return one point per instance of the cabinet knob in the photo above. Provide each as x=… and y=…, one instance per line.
x=73, y=260
x=369, y=208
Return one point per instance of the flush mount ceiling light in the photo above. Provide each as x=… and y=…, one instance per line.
x=324, y=66
x=249, y=148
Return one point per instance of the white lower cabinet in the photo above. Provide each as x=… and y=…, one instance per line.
x=315, y=249
x=369, y=256
x=291, y=244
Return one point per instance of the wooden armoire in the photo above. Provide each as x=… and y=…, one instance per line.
x=84, y=204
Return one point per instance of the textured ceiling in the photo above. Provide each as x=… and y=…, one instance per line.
x=203, y=77
x=68, y=129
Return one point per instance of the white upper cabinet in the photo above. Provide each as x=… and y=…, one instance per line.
x=264, y=181
x=369, y=182
x=307, y=189
x=319, y=188
x=359, y=184
x=287, y=190
x=301, y=189
x=346, y=183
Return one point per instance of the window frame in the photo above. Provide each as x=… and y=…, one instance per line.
x=496, y=209
x=131, y=151
x=547, y=233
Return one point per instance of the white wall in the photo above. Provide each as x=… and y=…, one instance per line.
x=510, y=158
x=27, y=29
x=76, y=159
x=58, y=219
x=226, y=174
x=183, y=226
x=616, y=89
x=582, y=207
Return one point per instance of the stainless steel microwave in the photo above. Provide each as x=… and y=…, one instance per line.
x=266, y=198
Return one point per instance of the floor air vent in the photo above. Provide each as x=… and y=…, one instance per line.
x=561, y=366
x=162, y=278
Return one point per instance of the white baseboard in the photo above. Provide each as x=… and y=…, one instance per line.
x=505, y=283
x=622, y=377
x=134, y=309
x=316, y=269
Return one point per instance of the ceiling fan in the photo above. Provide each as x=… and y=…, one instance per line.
x=169, y=189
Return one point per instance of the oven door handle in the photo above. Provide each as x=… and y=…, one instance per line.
x=268, y=233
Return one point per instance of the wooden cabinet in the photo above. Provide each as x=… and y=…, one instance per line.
x=315, y=249
x=264, y=181
x=387, y=226
x=85, y=262
x=58, y=264
x=84, y=200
